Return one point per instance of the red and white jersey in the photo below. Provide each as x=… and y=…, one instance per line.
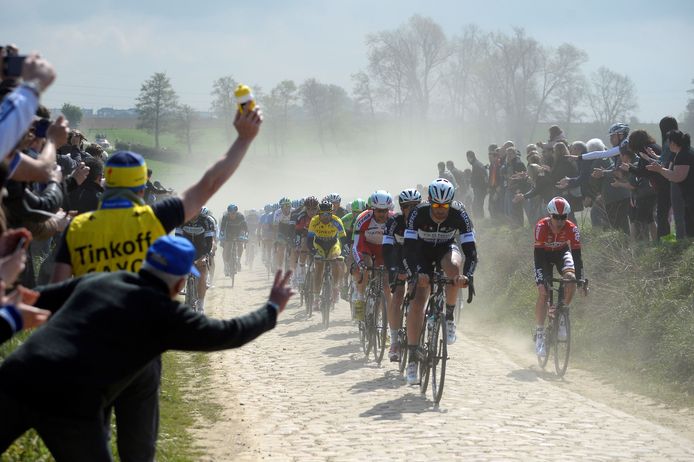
x=368, y=235
x=568, y=236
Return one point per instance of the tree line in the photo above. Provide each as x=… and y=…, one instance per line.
x=490, y=83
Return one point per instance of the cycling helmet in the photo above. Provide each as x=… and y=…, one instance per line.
x=285, y=201
x=358, y=205
x=325, y=206
x=301, y=202
x=204, y=211
x=558, y=206
x=275, y=206
x=311, y=202
x=381, y=200
x=619, y=128
x=295, y=203
x=232, y=208
x=333, y=197
x=409, y=195
x=441, y=191
x=268, y=208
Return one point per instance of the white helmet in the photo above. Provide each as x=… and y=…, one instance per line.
x=381, y=200
x=441, y=191
x=333, y=197
x=558, y=206
x=409, y=195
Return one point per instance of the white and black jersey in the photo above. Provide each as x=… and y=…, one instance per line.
x=427, y=241
x=393, y=240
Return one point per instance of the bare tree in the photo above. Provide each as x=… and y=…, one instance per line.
x=223, y=103
x=276, y=106
x=314, y=100
x=560, y=71
x=363, y=93
x=186, y=117
x=689, y=114
x=568, y=99
x=458, y=73
x=156, y=105
x=404, y=62
x=612, y=96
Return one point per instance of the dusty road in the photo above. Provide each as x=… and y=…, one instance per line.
x=302, y=393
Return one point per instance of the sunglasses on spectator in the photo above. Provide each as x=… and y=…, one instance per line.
x=559, y=217
x=434, y=205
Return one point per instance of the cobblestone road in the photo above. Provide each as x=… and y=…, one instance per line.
x=302, y=393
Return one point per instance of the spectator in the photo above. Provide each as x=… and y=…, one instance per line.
x=445, y=173
x=639, y=142
x=680, y=172
x=643, y=196
x=108, y=326
x=478, y=181
x=516, y=177
x=461, y=191
x=98, y=241
x=495, y=182
x=87, y=196
x=676, y=202
x=556, y=135
x=562, y=167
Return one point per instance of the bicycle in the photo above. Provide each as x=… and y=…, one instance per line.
x=325, y=297
x=373, y=330
x=306, y=288
x=402, y=331
x=231, y=263
x=192, y=298
x=432, y=352
x=558, y=322
x=250, y=255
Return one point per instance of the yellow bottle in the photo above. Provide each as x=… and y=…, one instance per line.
x=244, y=98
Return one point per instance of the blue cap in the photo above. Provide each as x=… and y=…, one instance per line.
x=173, y=255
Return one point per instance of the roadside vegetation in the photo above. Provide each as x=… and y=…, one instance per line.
x=637, y=324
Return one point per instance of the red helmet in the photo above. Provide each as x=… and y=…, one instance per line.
x=558, y=206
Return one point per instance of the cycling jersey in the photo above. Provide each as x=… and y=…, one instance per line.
x=326, y=237
x=284, y=224
x=233, y=228
x=348, y=221
x=253, y=221
x=200, y=232
x=368, y=237
x=427, y=241
x=393, y=240
x=265, y=226
x=562, y=249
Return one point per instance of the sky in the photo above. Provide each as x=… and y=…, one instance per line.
x=104, y=50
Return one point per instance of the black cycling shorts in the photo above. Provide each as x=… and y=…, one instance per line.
x=430, y=256
x=564, y=261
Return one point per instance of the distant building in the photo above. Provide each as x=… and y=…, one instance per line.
x=109, y=112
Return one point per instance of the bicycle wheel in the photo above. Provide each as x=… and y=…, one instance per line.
x=439, y=350
x=326, y=295
x=308, y=291
x=549, y=327
x=423, y=363
x=380, y=327
x=189, y=291
x=402, y=338
x=562, y=345
x=363, y=338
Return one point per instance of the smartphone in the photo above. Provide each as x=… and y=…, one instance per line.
x=20, y=244
x=12, y=66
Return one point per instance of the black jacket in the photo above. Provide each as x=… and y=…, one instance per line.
x=106, y=328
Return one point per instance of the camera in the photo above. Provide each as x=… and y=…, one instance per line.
x=41, y=127
x=12, y=66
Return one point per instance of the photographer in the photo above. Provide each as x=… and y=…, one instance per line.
x=17, y=112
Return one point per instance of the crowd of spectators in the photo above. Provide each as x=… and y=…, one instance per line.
x=72, y=213
x=638, y=186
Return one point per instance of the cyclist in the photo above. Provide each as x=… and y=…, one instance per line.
x=367, y=249
x=393, y=240
x=335, y=200
x=357, y=207
x=208, y=213
x=303, y=220
x=233, y=228
x=200, y=232
x=325, y=238
x=265, y=234
x=557, y=243
x=284, y=231
x=430, y=242
x=253, y=221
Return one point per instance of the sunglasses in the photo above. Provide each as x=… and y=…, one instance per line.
x=434, y=205
x=559, y=217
